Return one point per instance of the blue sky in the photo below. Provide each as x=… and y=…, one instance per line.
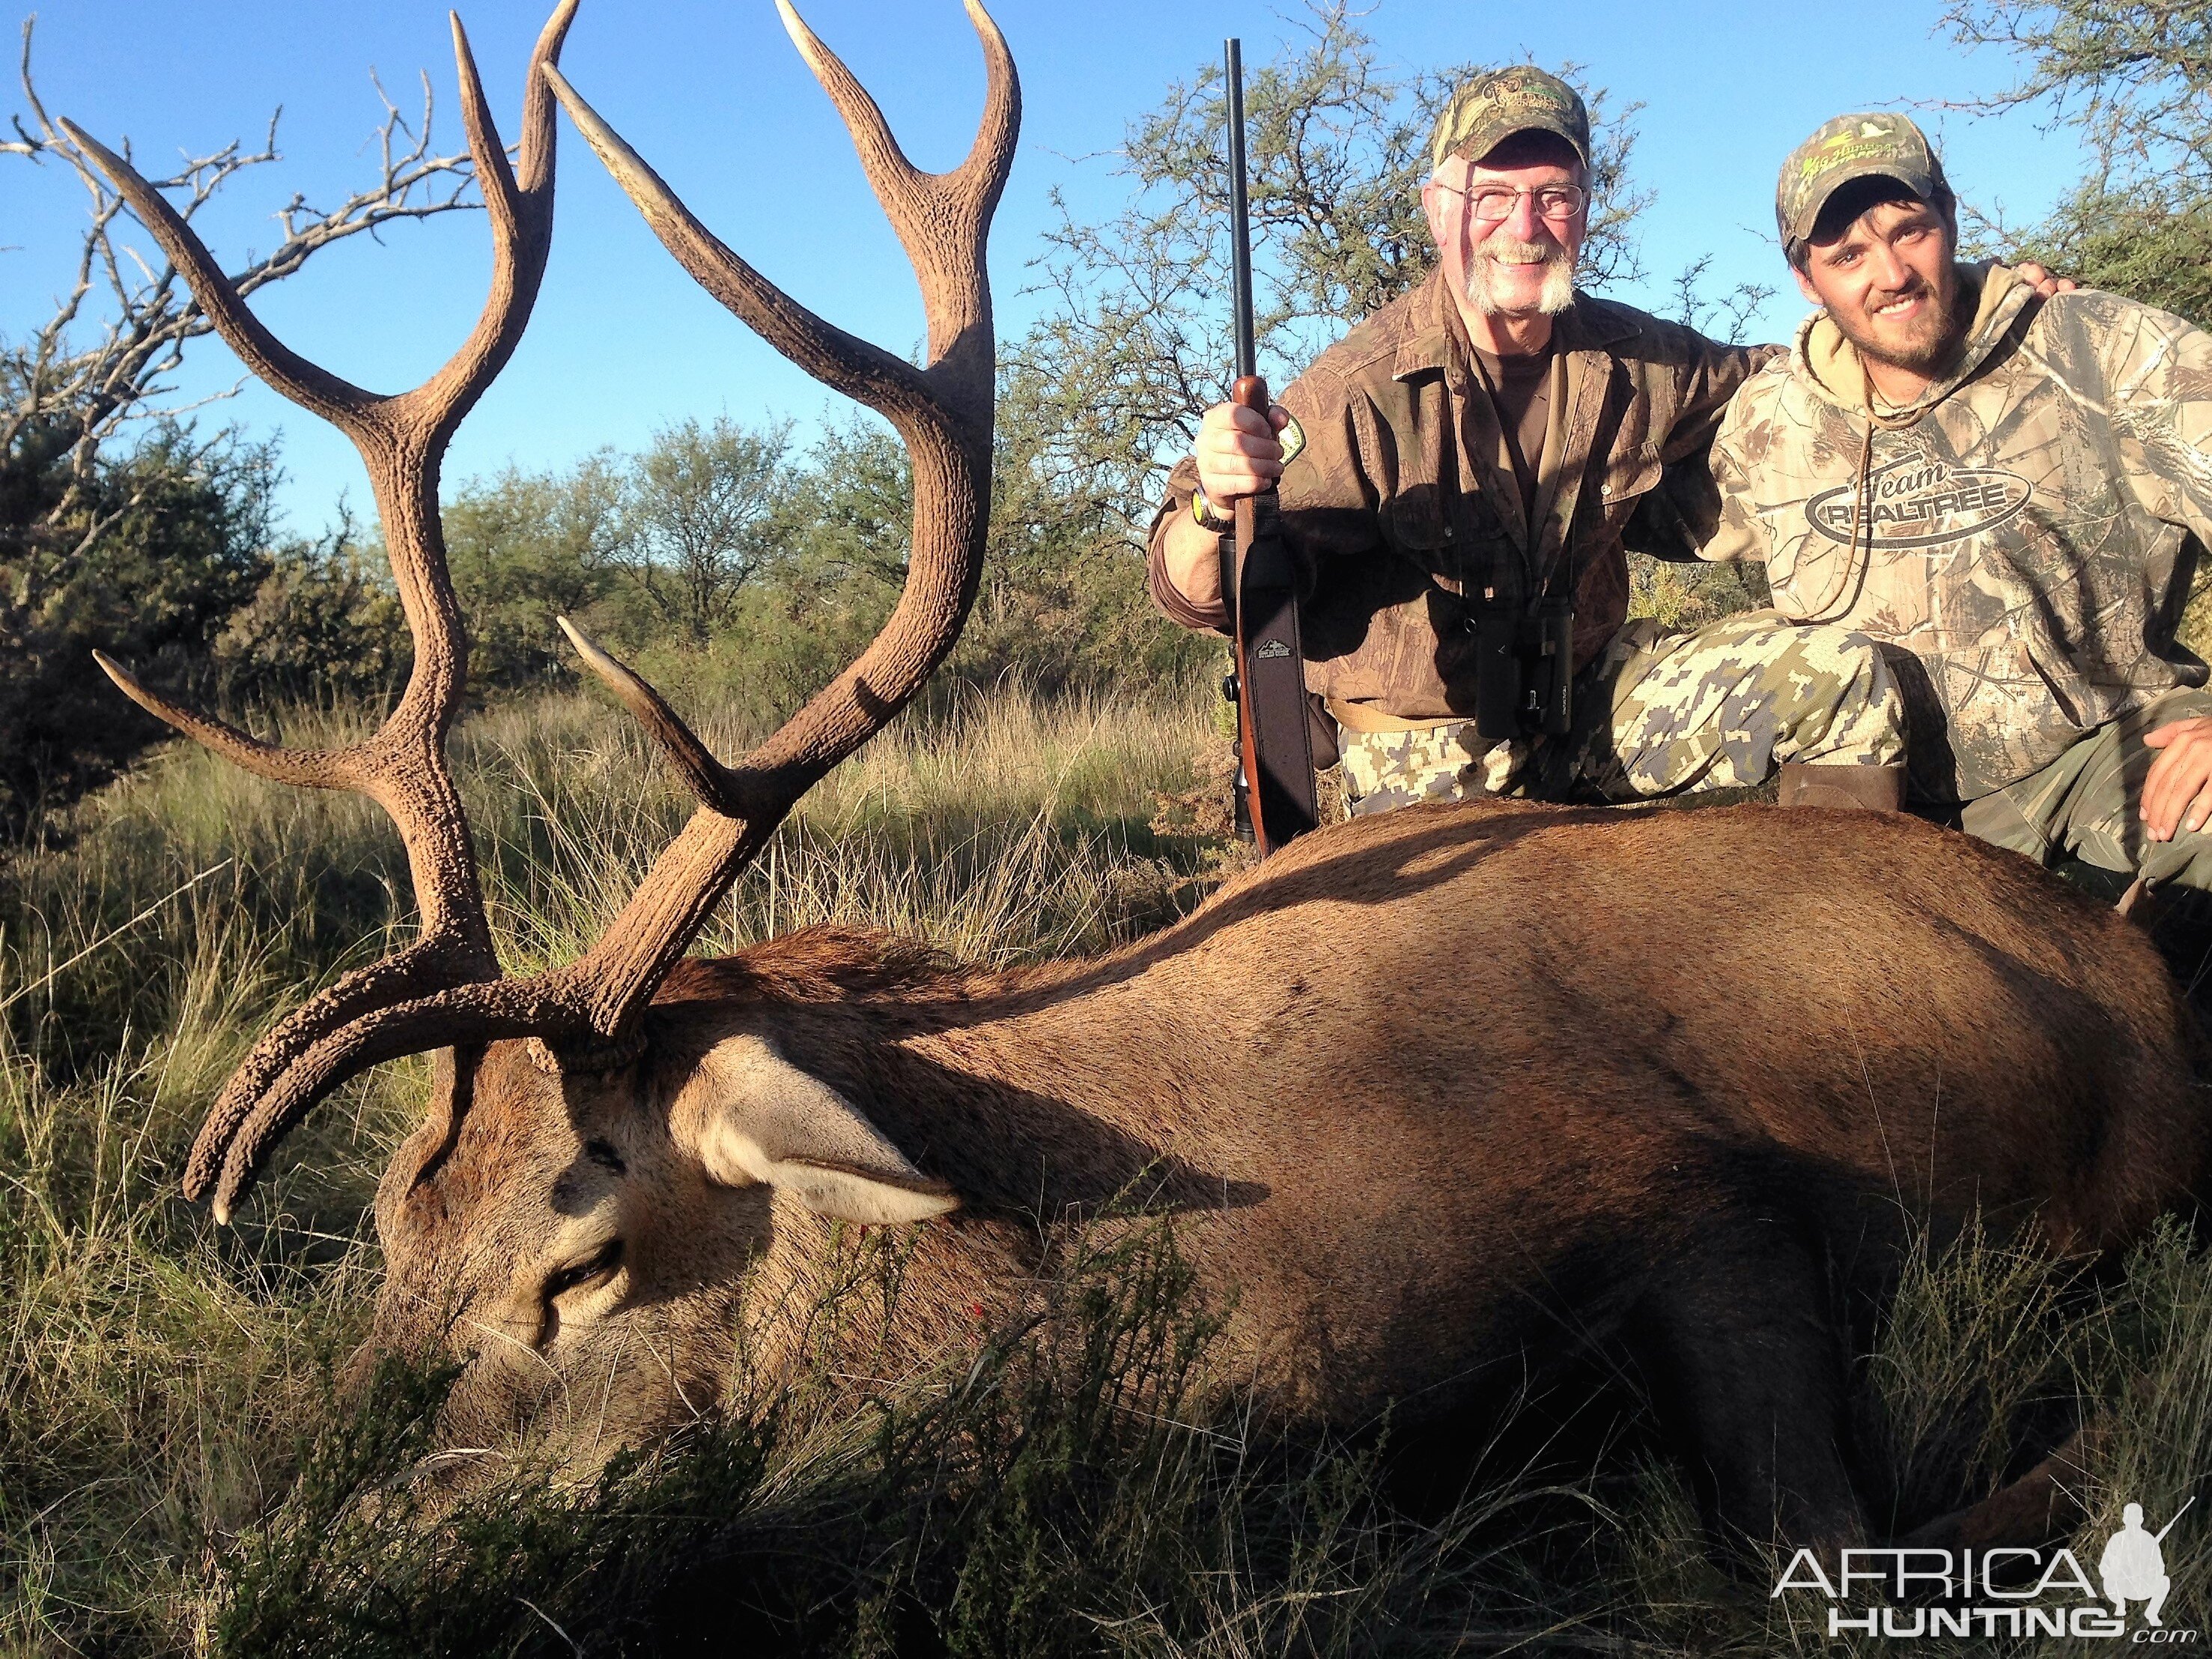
x=712, y=94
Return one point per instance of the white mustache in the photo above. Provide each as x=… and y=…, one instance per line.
x=1499, y=252
x=1506, y=251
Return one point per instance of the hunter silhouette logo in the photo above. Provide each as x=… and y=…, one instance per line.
x=2133, y=1567
x=1900, y=1592
x=1921, y=500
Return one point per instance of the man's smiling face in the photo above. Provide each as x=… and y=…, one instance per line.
x=1521, y=264
x=1886, y=277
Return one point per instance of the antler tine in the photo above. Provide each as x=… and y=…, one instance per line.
x=340, y=402
x=899, y=185
x=493, y=176
x=713, y=783
x=402, y=766
x=848, y=363
x=313, y=768
x=906, y=191
x=521, y=211
x=941, y=217
x=991, y=158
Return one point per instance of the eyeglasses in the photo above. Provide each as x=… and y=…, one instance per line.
x=1490, y=203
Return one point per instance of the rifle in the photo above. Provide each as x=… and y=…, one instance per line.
x=2159, y=1537
x=1275, y=779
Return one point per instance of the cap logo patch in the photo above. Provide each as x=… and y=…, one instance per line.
x=1841, y=148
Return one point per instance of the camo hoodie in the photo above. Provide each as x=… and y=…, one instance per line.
x=2030, y=526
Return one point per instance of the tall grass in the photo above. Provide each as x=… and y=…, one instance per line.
x=173, y=1478
x=158, y=1372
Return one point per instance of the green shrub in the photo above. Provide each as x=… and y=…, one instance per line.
x=149, y=563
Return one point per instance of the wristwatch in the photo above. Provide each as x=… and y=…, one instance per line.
x=1201, y=511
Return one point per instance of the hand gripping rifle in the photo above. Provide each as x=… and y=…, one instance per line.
x=1275, y=783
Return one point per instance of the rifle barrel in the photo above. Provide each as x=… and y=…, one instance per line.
x=1240, y=219
x=2159, y=1536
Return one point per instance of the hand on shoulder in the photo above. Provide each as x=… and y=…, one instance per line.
x=2044, y=284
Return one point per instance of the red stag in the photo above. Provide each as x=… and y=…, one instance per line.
x=1432, y=1090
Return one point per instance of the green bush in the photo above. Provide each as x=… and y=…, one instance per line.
x=148, y=558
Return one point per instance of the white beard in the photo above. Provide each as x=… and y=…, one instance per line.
x=1484, y=270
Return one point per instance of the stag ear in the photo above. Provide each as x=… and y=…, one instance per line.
x=751, y=1116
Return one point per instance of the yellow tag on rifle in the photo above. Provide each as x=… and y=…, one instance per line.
x=1292, y=438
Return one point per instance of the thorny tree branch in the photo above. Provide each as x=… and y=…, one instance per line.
x=1728, y=316
x=68, y=395
x=2132, y=75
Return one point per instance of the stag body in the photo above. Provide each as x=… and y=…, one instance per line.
x=1421, y=1133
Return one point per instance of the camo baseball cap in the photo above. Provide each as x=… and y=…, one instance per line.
x=1879, y=145
x=1491, y=108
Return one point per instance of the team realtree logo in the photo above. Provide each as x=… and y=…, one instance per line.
x=1999, y=1592
x=1920, y=501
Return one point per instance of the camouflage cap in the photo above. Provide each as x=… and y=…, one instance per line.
x=1492, y=107
x=1879, y=145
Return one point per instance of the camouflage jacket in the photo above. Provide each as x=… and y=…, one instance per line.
x=1395, y=508
x=2033, y=531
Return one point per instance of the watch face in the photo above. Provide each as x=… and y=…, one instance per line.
x=1292, y=437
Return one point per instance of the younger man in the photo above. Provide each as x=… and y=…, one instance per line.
x=2007, y=494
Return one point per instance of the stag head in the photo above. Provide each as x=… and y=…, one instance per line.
x=581, y=1236
x=606, y=1152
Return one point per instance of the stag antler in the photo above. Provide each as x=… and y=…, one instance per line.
x=943, y=410
x=402, y=439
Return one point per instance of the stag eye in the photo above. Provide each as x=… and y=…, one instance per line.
x=595, y=1269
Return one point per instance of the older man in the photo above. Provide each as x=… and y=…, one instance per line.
x=2009, y=492
x=1460, y=476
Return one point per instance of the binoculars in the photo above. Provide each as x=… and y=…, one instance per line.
x=1524, y=669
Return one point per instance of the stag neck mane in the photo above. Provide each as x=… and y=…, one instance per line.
x=996, y=1081
x=1001, y=1085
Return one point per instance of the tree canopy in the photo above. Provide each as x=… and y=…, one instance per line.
x=2135, y=77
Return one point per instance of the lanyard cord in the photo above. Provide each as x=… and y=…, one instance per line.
x=1855, y=569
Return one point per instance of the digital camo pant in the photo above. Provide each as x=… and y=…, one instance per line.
x=1660, y=714
x=2085, y=803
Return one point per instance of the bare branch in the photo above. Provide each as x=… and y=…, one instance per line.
x=88, y=387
